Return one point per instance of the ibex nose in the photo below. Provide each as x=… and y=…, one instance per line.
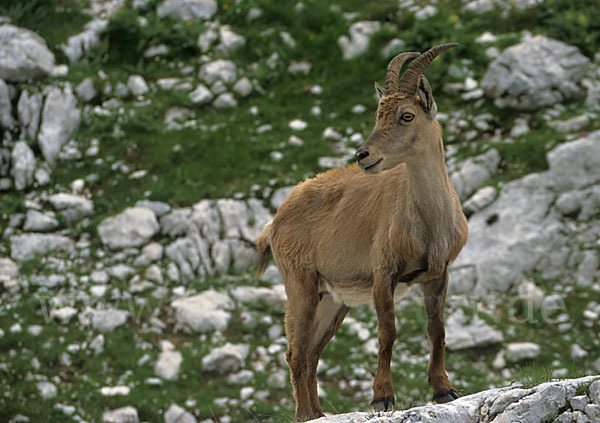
x=361, y=154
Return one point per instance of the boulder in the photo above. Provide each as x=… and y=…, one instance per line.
x=204, y=312
x=23, y=165
x=60, y=118
x=79, y=44
x=177, y=414
x=168, y=364
x=187, y=10
x=71, y=207
x=36, y=221
x=228, y=358
x=23, y=54
x=6, y=119
x=545, y=402
x=127, y=414
x=220, y=69
x=29, y=109
x=538, y=72
x=28, y=246
x=358, y=40
x=463, y=333
x=133, y=227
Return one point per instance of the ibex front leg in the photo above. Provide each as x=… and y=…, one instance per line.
x=383, y=297
x=434, y=294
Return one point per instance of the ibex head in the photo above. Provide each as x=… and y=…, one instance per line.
x=405, y=125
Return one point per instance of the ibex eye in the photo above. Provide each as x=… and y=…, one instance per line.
x=407, y=117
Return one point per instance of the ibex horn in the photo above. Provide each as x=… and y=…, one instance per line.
x=393, y=70
x=410, y=78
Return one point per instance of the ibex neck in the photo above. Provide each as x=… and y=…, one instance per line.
x=429, y=189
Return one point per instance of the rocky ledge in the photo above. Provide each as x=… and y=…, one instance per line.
x=571, y=400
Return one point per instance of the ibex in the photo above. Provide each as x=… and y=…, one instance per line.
x=365, y=233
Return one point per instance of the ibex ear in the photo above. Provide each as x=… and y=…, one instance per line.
x=426, y=97
x=379, y=91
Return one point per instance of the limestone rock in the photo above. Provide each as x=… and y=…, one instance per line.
x=71, y=207
x=23, y=165
x=36, y=221
x=230, y=41
x=133, y=227
x=60, y=118
x=204, y=312
x=224, y=70
x=226, y=359
x=127, y=414
x=517, y=351
x=86, y=90
x=137, y=85
x=168, y=364
x=29, y=109
x=6, y=119
x=27, y=246
x=536, y=73
x=79, y=44
x=23, y=54
x=188, y=10
x=201, y=95
x=274, y=296
x=511, y=404
x=474, y=172
x=106, y=320
x=462, y=333
x=176, y=414
x=358, y=42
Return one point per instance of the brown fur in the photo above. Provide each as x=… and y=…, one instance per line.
x=350, y=236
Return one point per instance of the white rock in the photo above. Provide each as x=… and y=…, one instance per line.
x=29, y=110
x=224, y=70
x=332, y=162
x=577, y=351
x=201, y=95
x=107, y=320
x=230, y=41
x=482, y=198
x=274, y=296
x=137, y=85
x=462, y=333
x=228, y=358
x=23, y=54
x=530, y=294
x=154, y=274
x=225, y=101
x=517, y=351
x=23, y=165
x=133, y=227
x=204, y=312
x=475, y=172
x=8, y=269
x=536, y=73
x=176, y=414
x=60, y=118
x=71, y=207
x=298, y=125
x=243, y=87
x=127, y=414
x=36, y=221
x=111, y=391
x=358, y=41
x=168, y=364
x=63, y=314
x=279, y=196
x=207, y=38
x=47, y=390
x=6, y=119
x=28, y=246
x=188, y=10
x=79, y=44
x=573, y=165
x=85, y=90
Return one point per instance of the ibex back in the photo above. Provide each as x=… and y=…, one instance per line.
x=366, y=232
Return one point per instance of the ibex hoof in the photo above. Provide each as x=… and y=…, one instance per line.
x=383, y=404
x=451, y=395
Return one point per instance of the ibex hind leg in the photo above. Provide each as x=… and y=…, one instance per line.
x=303, y=300
x=328, y=319
x=434, y=295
